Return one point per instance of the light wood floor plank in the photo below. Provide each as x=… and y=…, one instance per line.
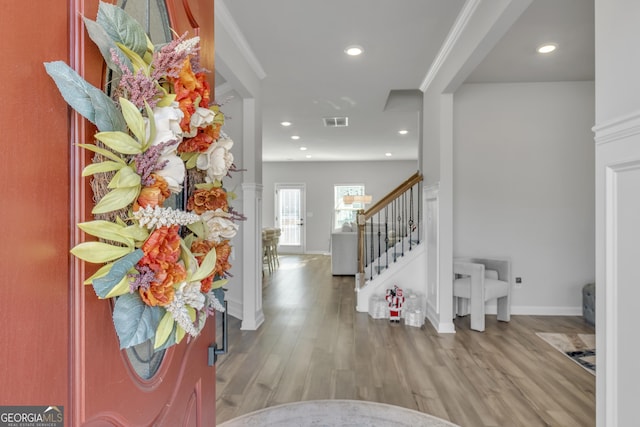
x=314, y=345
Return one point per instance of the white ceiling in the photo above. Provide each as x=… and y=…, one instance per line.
x=300, y=45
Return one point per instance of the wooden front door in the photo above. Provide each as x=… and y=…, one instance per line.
x=106, y=388
x=58, y=342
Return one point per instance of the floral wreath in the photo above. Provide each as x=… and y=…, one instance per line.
x=157, y=132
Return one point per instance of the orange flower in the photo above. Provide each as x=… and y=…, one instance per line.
x=161, y=254
x=189, y=89
x=153, y=195
x=208, y=200
x=223, y=250
x=200, y=248
x=161, y=248
x=198, y=144
x=162, y=291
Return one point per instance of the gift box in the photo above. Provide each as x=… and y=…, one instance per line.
x=378, y=307
x=414, y=318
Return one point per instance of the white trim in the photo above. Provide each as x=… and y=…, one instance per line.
x=523, y=310
x=618, y=128
x=234, y=308
x=223, y=89
x=456, y=30
x=252, y=314
x=229, y=24
x=440, y=327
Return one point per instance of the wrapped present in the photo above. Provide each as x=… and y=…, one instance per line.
x=413, y=301
x=414, y=318
x=378, y=307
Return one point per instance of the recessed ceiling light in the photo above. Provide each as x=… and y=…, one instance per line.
x=354, y=50
x=403, y=132
x=303, y=148
x=295, y=137
x=285, y=124
x=547, y=48
x=388, y=154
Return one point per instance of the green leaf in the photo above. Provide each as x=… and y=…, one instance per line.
x=89, y=101
x=106, y=44
x=134, y=321
x=98, y=252
x=166, y=100
x=101, y=272
x=104, y=285
x=180, y=333
x=170, y=341
x=136, y=233
x=134, y=119
x=198, y=228
x=120, y=142
x=122, y=28
x=106, y=153
x=164, y=330
x=123, y=287
x=204, y=186
x=116, y=199
x=206, y=268
x=192, y=160
x=126, y=177
x=136, y=60
x=146, y=142
x=219, y=283
x=106, y=230
x=106, y=166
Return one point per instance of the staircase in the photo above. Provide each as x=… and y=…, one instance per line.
x=390, y=236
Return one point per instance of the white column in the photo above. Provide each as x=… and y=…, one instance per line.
x=252, y=314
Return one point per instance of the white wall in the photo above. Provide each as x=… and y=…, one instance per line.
x=379, y=178
x=617, y=211
x=523, y=161
x=232, y=108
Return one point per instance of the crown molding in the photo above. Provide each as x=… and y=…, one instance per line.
x=225, y=19
x=458, y=27
x=618, y=128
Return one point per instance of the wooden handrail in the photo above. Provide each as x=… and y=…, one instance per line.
x=393, y=194
x=364, y=216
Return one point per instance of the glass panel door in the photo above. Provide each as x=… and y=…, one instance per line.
x=290, y=217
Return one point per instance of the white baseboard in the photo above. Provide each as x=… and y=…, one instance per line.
x=538, y=310
x=317, y=253
x=440, y=327
x=234, y=308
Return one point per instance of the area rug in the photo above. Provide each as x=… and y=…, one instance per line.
x=581, y=348
x=352, y=413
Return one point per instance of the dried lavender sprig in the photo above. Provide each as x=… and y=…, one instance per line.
x=147, y=162
x=235, y=215
x=143, y=279
x=136, y=88
x=168, y=60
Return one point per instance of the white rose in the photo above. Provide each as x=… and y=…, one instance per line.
x=173, y=171
x=191, y=295
x=201, y=118
x=167, y=121
x=217, y=160
x=219, y=227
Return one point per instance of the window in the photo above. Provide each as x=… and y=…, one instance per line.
x=346, y=213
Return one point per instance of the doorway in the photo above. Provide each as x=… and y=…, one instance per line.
x=290, y=217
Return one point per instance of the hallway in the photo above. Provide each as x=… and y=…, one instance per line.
x=313, y=345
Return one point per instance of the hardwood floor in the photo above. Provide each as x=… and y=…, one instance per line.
x=314, y=345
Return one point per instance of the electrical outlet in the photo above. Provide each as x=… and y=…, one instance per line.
x=518, y=282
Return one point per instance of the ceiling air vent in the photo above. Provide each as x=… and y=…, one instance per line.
x=336, y=122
